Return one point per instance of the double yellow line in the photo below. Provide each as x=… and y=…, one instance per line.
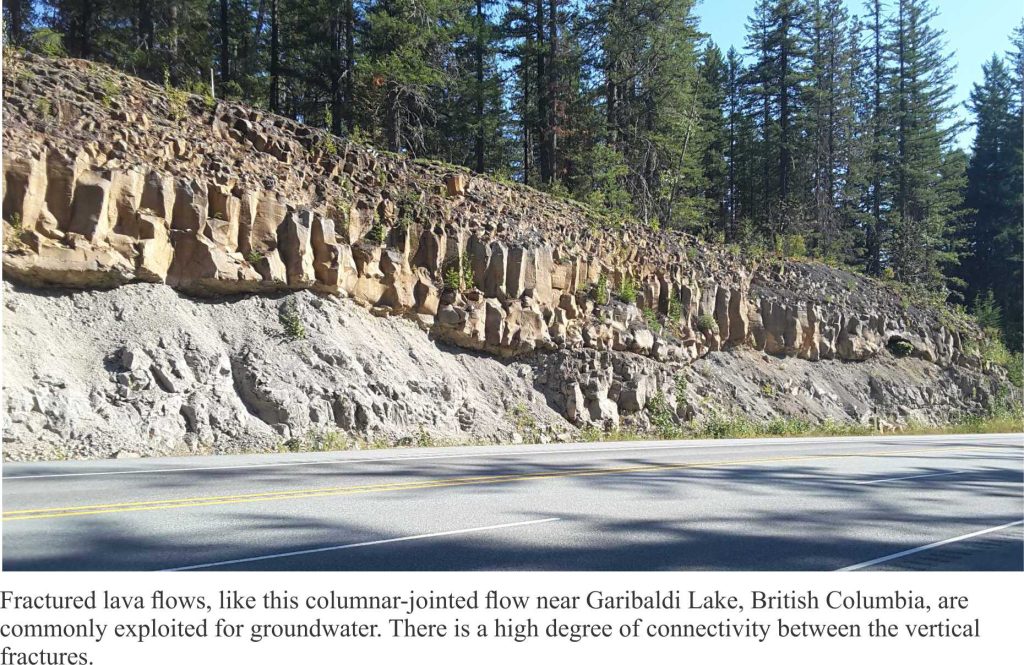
x=227, y=499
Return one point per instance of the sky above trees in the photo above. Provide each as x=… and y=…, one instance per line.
x=974, y=30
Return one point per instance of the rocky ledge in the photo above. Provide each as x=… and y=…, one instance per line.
x=110, y=181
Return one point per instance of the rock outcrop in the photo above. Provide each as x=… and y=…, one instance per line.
x=214, y=199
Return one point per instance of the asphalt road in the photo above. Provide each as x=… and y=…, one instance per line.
x=908, y=503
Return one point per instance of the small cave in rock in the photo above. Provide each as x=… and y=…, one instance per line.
x=900, y=347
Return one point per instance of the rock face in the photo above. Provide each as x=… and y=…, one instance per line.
x=228, y=201
x=144, y=370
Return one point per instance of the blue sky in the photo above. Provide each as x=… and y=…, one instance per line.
x=975, y=29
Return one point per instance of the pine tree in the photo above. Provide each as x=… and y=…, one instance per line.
x=873, y=184
x=830, y=101
x=654, y=117
x=713, y=91
x=405, y=45
x=18, y=16
x=760, y=106
x=471, y=120
x=732, y=101
x=993, y=264
x=928, y=188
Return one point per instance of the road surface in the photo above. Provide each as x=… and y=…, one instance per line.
x=874, y=503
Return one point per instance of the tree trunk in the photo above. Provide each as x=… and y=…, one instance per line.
x=553, y=80
x=784, y=154
x=527, y=128
x=16, y=29
x=225, y=61
x=611, y=75
x=479, y=147
x=147, y=31
x=874, y=263
x=275, y=56
x=542, y=95
x=392, y=118
x=336, y=70
x=350, y=64
x=81, y=30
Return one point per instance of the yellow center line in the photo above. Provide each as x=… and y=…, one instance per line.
x=200, y=501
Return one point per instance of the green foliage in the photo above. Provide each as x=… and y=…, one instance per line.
x=377, y=233
x=47, y=42
x=319, y=441
x=660, y=413
x=768, y=390
x=254, y=257
x=601, y=290
x=627, y=290
x=675, y=311
x=680, y=387
x=901, y=348
x=651, y=319
x=459, y=274
x=993, y=350
x=43, y=107
x=525, y=423
x=325, y=143
x=13, y=241
x=1015, y=369
x=606, y=191
x=110, y=89
x=453, y=278
x=987, y=312
x=707, y=324
x=791, y=246
x=291, y=322
x=177, y=100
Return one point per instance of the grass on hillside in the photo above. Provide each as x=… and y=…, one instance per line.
x=1003, y=418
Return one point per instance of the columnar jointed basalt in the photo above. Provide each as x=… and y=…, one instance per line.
x=221, y=199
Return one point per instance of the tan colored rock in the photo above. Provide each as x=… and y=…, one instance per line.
x=126, y=189
x=540, y=279
x=78, y=264
x=203, y=268
x=190, y=206
x=222, y=225
x=158, y=195
x=296, y=249
x=855, y=342
x=89, y=214
x=326, y=255
x=24, y=190
x=519, y=260
x=456, y=183
x=478, y=252
x=398, y=280
x=155, y=253
x=62, y=171
x=496, y=274
x=425, y=293
x=721, y=312
x=248, y=207
x=361, y=218
x=494, y=325
x=739, y=320
x=270, y=215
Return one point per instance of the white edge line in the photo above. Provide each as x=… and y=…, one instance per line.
x=366, y=544
x=898, y=555
x=725, y=443
x=923, y=475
